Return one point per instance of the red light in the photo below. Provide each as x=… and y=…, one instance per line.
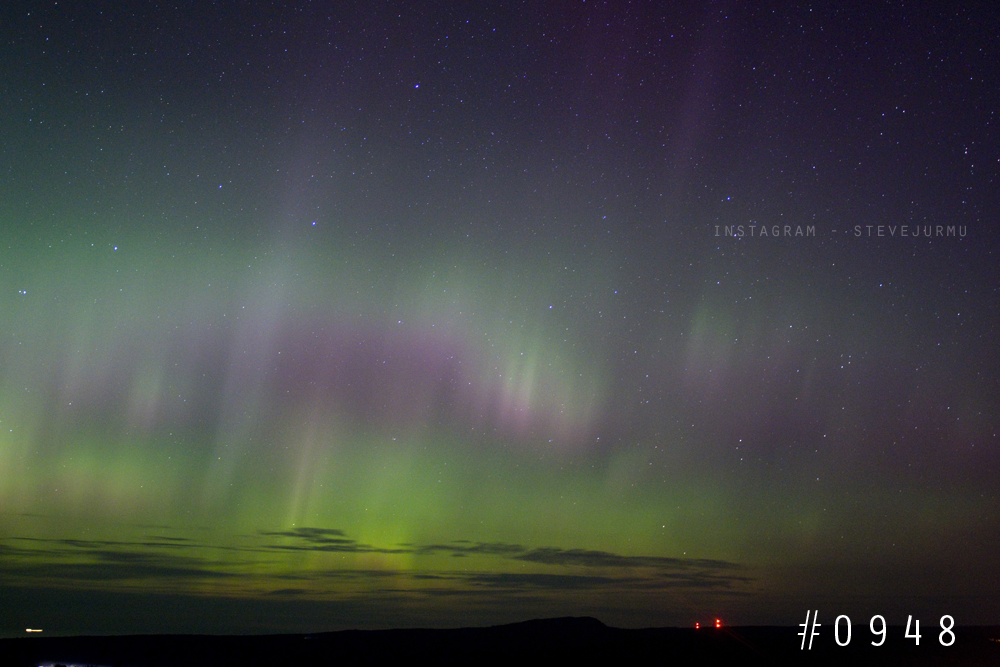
x=697, y=626
x=718, y=623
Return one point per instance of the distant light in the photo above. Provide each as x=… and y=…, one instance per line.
x=718, y=623
x=31, y=630
x=314, y=223
x=697, y=626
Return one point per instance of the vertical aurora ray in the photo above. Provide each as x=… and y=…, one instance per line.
x=265, y=373
x=448, y=331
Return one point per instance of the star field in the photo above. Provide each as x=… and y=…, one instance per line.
x=384, y=315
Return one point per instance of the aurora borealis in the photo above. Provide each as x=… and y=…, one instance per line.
x=335, y=315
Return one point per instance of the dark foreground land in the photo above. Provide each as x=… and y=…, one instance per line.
x=557, y=641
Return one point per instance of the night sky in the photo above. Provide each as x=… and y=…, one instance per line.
x=328, y=315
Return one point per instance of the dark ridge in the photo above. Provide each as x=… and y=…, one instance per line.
x=561, y=640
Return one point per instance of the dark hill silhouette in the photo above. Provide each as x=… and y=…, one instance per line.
x=559, y=640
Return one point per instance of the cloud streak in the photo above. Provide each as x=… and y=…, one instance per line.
x=179, y=562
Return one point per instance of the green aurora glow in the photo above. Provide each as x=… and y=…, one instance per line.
x=360, y=355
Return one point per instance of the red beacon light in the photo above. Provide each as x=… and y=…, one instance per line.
x=718, y=623
x=697, y=626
